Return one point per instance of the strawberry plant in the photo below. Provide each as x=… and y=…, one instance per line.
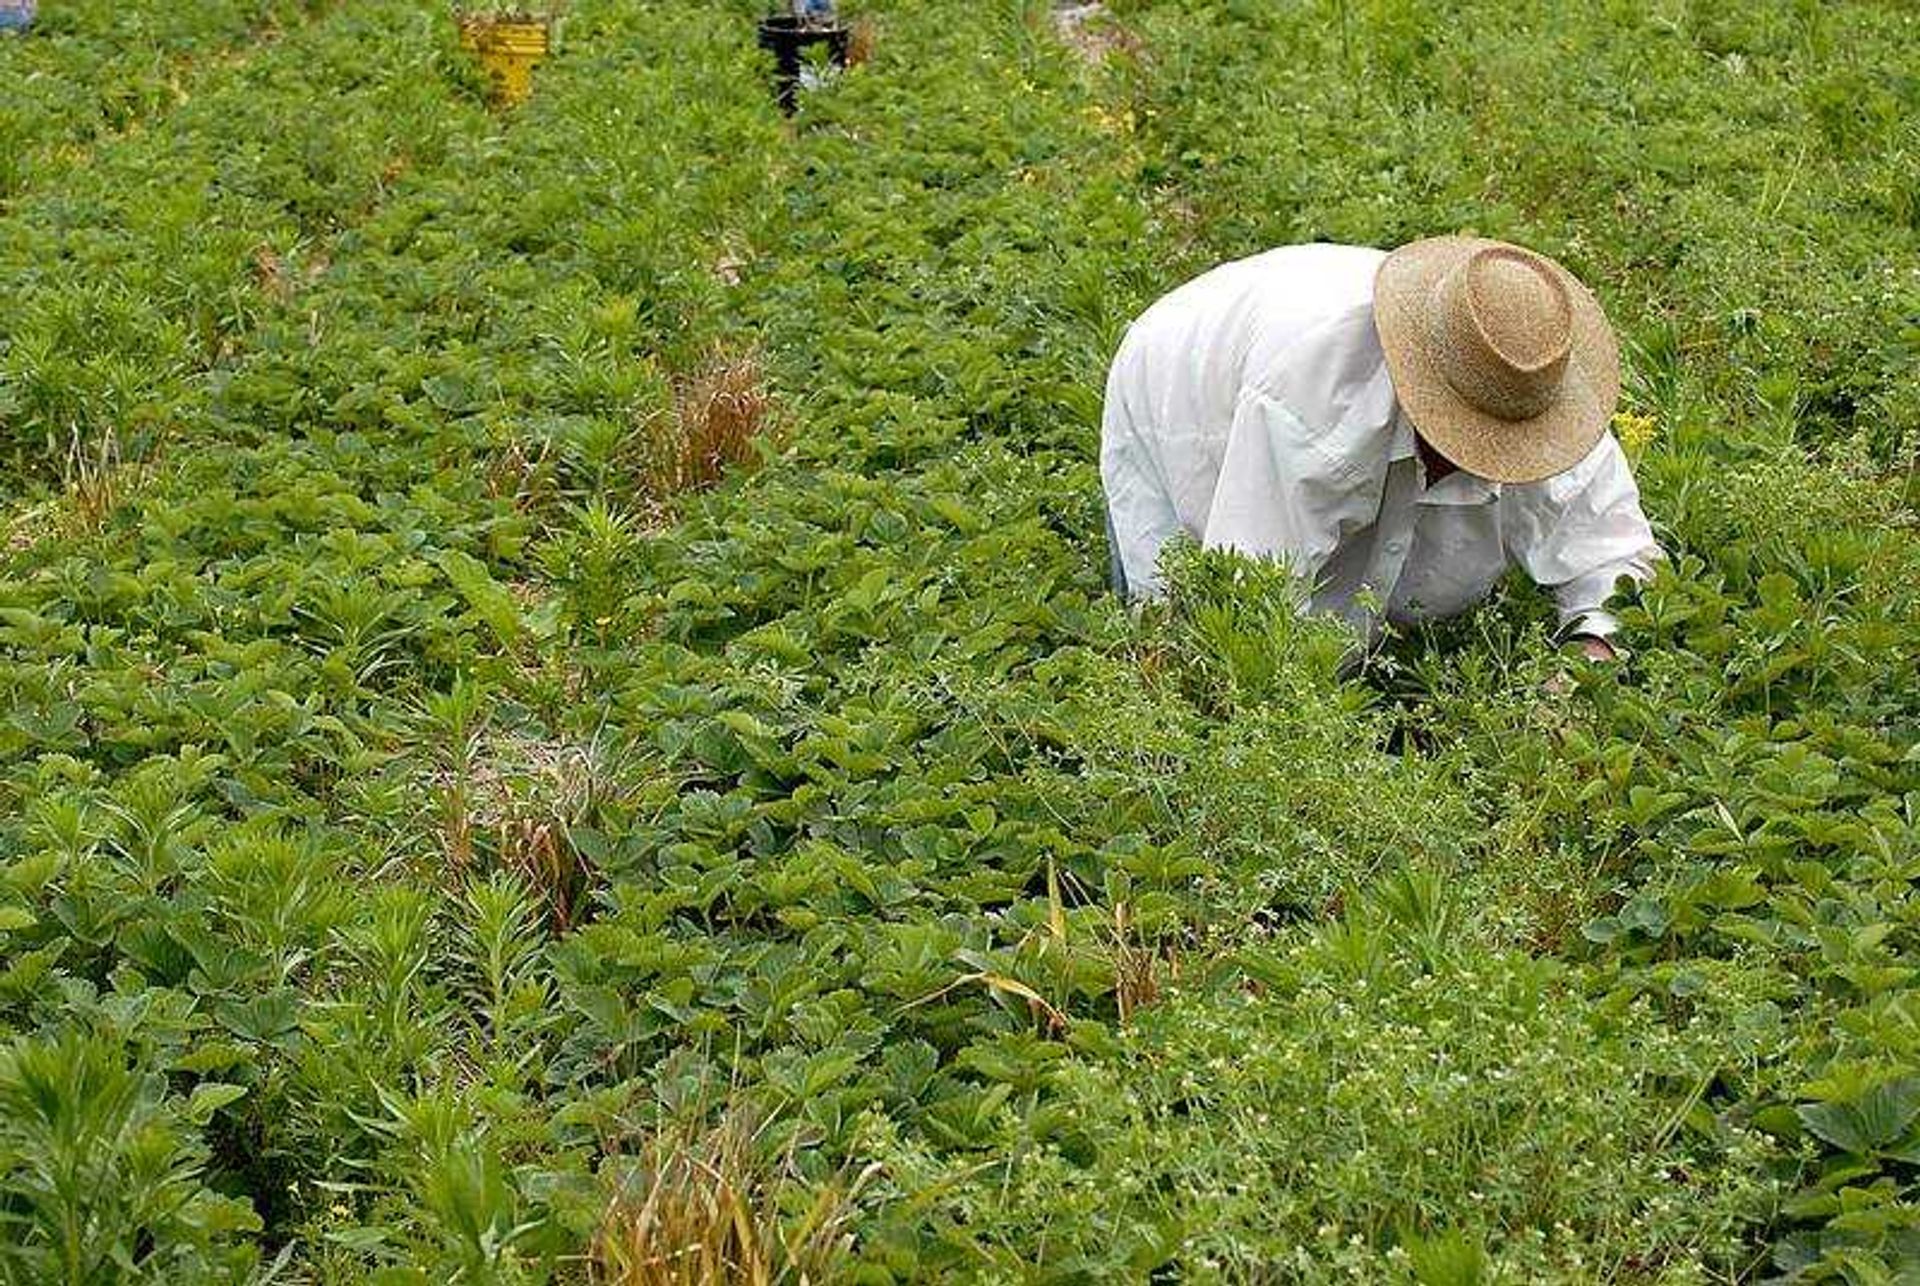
x=573, y=702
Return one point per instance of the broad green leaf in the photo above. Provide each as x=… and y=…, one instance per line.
x=1877, y=1119
x=209, y=1097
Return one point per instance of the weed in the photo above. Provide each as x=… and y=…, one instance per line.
x=94, y=478
x=703, y=1206
x=721, y=421
x=103, y=1171
x=863, y=40
x=522, y=800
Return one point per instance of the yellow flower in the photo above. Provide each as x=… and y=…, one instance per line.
x=1635, y=431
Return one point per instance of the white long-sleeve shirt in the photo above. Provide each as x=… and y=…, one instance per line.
x=1252, y=409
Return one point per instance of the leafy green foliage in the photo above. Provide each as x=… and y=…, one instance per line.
x=102, y=1171
x=1383, y=1100
x=94, y=69
x=414, y=825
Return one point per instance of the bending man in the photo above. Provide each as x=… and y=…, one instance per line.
x=1399, y=428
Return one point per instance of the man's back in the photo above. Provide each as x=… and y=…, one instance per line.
x=1295, y=323
x=1226, y=328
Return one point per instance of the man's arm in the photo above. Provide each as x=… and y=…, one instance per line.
x=1578, y=534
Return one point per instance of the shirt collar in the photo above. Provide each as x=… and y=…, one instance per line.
x=1457, y=488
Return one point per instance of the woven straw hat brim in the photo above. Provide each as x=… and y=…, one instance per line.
x=1501, y=450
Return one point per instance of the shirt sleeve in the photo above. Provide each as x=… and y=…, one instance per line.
x=1577, y=534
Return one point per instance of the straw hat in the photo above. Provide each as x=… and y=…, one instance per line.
x=1500, y=357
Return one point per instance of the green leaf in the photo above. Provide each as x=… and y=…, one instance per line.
x=1876, y=1120
x=487, y=598
x=268, y=1017
x=1645, y=914
x=209, y=1097
x=1602, y=930
x=1687, y=982
x=217, y=1214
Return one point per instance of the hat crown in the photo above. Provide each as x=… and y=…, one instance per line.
x=1504, y=327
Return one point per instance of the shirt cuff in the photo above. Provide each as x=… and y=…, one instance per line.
x=1596, y=623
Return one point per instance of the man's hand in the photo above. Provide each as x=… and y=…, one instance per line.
x=1593, y=647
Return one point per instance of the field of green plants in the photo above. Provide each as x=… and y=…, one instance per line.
x=560, y=719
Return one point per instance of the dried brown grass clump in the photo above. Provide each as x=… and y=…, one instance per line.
x=719, y=415
x=702, y=1207
x=862, y=36
x=541, y=851
x=1137, y=966
x=271, y=274
x=522, y=473
x=95, y=479
x=279, y=279
x=527, y=795
x=1137, y=963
